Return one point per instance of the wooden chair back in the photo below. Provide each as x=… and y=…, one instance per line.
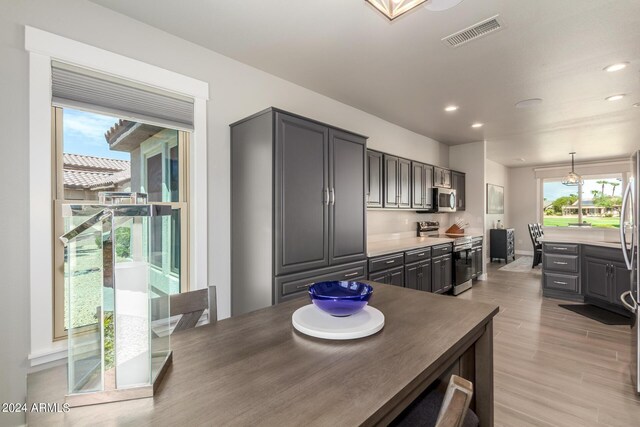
x=456, y=402
x=190, y=305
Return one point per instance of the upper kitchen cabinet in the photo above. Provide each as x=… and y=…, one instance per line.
x=374, y=179
x=297, y=202
x=441, y=177
x=397, y=182
x=458, y=184
x=421, y=185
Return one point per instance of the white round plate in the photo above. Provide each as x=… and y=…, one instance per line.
x=312, y=321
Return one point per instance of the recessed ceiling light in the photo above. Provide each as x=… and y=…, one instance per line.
x=477, y=125
x=519, y=159
x=526, y=103
x=637, y=104
x=616, y=67
x=615, y=97
x=451, y=108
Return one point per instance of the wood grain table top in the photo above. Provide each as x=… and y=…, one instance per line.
x=255, y=369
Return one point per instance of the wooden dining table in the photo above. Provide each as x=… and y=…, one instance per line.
x=256, y=369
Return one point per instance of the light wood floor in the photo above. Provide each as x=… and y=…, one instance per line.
x=554, y=367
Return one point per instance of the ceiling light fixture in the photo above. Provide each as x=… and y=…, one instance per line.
x=572, y=179
x=637, y=104
x=526, y=103
x=440, y=5
x=477, y=125
x=451, y=108
x=394, y=8
x=615, y=97
x=616, y=67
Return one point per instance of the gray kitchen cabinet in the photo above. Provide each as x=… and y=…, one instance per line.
x=421, y=186
x=296, y=285
x=596, y=274
x=605, y=274
x=392, y=276
x=418, y=276
x=347, y=183
x=297, y=203
x=441, y=274
x=441, y=177
x=404, y=183
x=458, y=183
x=620, y=281
x=374, y=179
x=302, y=202
x=390, y=187
x=478, y=258
x=397, y=182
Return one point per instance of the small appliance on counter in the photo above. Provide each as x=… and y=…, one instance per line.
x=428, y=228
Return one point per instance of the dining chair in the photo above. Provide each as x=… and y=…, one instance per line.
x=436, y=409
x=535, y=232
x=189, y=306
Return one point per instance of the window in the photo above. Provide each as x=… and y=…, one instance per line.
x=596, y=203
x=94, y=153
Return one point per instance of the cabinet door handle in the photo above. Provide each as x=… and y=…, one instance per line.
x=333, y=196
x=391, y=261
x=325, y=201
x=306, y=285
x=559, y=248
x=560, y=262
x=421, y=254
x=355, y=273
x=560, y=283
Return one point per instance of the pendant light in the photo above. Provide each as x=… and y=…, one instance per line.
x=394, y=8
x=572, y=179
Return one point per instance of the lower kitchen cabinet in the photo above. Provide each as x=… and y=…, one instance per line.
x=441, y=274
x=418, y=276
x=295, y=285
x=392, y=276
x=605, y=279
x=581, y=272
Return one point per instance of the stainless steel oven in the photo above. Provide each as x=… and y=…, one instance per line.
x=444, y=200
x=462, y=265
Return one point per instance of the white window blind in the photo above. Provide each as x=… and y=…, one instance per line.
x=80, y=88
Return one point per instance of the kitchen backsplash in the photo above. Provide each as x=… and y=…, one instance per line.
x=399, y=224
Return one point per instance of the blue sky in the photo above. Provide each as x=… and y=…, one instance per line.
x=84, y=134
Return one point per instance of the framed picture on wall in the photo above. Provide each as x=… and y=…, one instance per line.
x=495, y=199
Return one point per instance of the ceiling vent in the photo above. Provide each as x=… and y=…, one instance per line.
x=473, y=32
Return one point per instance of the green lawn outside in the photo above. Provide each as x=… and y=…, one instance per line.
x=563, y=221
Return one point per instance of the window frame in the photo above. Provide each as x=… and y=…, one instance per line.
x=42, y=48
x=623, y=175
x=57, y=143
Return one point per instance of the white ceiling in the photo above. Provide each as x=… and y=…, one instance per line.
x=402, y=72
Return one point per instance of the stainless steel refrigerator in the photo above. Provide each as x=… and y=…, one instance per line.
x=629, y=238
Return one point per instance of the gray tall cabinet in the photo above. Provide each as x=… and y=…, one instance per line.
x=297, y=207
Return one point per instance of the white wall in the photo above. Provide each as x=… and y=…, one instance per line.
x=522, y=205
x=497, y=174
x=14, y=174
x=470, y=158
x=236, y=90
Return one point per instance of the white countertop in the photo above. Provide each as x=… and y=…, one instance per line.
x=385, y=247
x=606, y=244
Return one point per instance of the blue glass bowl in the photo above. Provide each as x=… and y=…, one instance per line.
x=340, y=299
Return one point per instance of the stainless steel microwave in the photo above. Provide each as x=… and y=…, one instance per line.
x=444, y=200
